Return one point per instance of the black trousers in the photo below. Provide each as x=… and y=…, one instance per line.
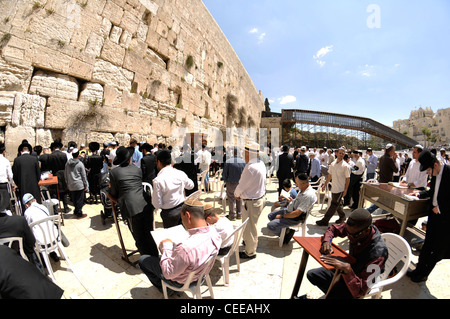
x=140, y=226
x=322, y=278
x=171, y=217
x=354, y=188
x=78, y=201
x=436, y=245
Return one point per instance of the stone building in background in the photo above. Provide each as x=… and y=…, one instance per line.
x=103, y=70
x=427, y=127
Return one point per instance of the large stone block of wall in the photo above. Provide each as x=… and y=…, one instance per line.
x=117, y=69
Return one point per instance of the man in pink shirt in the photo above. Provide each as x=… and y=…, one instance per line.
x=178, y=261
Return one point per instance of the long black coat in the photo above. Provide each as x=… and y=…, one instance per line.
x=27, y=174
x=186, y=164
x=285, y=166
x=148, y=167
x=437, y=241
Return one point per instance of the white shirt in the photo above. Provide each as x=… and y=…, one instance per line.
x=414, y=175
x=168, y=188
x=339, y=172
x=397, y=161
x=112, y=156
x=252, y=184
x=203, y=159
x=436, y=189
x=225, y=228
x=361, y=164
x=5, y=170
x=35, y=213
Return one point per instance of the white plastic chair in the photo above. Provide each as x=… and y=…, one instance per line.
x=399, y=251
x=225, y=259
x=10, y=241
x=327, y=196
x=194, y=287
x=216, y=181
x=51, y=236
x=296, y=227
x=48, y=202
x=269, y=174
x=221, y=196
x=201, y=181
x=148, y=188
x=317, y=186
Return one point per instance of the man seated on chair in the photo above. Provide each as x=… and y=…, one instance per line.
x=178, y=261
x=34, y=213
x=296, y=211
x=282, y=200
x=19, y=279
x=223, y=226
x=368, y=248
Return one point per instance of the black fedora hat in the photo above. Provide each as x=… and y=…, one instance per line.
x=123, y=154
x=94, y=146
x=427, y=160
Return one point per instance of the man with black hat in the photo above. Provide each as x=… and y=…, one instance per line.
x=26, y=173
x=57, y=163
x=366, y=246
x=94, y=165
x=148, y=164
x=135, y=206
x=437, y=242
x=168, y=189
x=285, y=165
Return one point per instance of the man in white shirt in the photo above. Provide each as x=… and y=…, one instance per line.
x=6, y=176
x=112, y=153
x=354, y=187
x=168, y=189
x=340, y=173
x=223, y=226
x=414, y=177
x=252, y=190
x=35, y=212
x=204, y=161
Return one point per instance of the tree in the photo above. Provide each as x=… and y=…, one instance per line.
x=267, y=104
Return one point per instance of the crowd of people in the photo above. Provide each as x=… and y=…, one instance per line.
x=173, y=173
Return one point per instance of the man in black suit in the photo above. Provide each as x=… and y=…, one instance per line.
x=437, y=242
x=148, y=164
x=17, y=226
x=26, y=173
x=302, y=162
x=285, y=166
x=19, y=279
x=57, y=162
x=186, y=163
x=135, y=205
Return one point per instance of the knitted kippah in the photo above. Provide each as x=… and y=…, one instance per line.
x=360, y=218
x=193, y=203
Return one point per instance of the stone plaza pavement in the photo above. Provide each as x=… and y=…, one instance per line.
x=100, y=272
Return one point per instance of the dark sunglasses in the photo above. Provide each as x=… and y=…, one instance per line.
x=358, y=234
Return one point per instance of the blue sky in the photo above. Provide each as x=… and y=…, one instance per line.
x=376, y=59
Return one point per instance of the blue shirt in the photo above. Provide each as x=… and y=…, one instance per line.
x=137, y=156
x=372, y=163
x=315, y=167
x=232, y=170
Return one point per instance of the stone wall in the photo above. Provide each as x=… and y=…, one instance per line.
x=87, y=70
